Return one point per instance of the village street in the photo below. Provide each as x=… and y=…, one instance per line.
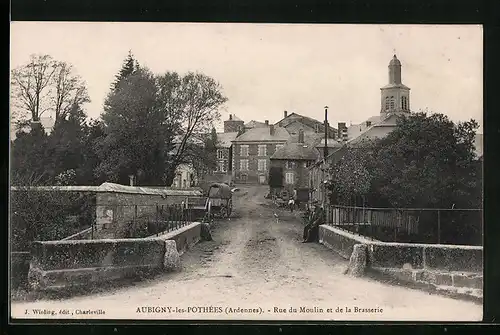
x=256, y=261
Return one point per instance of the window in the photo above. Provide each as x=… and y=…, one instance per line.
x=404, y=103
x=244, y=150
x=262, y=164
x=290, y=165
x=386, y=103
x=289, y=177
x=222, y=167
x=244, y=165
x=262, y=150
x=220, y=154
x=279, y=146
x=392, y=103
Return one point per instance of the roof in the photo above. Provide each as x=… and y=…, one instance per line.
x=113, y=188
x=234, y=118
x=263, y=134
x=308, y=121
x=224, y=139
x=255, y=124
x=330, y=143
x=394, y=61
x=296, y=151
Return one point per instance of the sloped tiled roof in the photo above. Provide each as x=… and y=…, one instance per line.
x=330, y=143
x=224, y=139
x=263, y=134
x=234, y=118
x=255, y=124
x=306, y=120
x=296, y=151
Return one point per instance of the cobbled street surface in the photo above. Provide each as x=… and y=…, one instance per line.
x=256, y=261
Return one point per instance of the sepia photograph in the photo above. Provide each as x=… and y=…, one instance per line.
x=244, y=171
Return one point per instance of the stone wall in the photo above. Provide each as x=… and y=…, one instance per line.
x=448, y=265
x=114, y=210
x=19, y=268
x=58, y=264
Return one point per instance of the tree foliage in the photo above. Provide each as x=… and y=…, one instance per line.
x=129, y=67
x=45, y=84
x=427, y=161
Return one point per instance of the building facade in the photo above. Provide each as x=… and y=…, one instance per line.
x=252, y=150
x=295, y=159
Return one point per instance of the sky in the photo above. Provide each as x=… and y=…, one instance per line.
x=265, y=69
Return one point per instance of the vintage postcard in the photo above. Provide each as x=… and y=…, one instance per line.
x=213, y=171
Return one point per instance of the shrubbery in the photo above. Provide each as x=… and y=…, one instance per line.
x=48, y=215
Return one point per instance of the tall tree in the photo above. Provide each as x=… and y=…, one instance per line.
x=69, y=89
x=66, y=146
x=31, y=85
x=130, y=66
x=135, y=141
x=44, y=84
x=196, y=98
x=28, y=157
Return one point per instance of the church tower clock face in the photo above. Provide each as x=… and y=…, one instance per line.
x=395, y=96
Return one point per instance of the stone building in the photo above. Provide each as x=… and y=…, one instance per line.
x=295, y=159
x=252, y=151
x=295, y=122
x=233, y=124
x=225, y=152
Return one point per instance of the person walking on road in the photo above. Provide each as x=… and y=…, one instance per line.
x=291, y=204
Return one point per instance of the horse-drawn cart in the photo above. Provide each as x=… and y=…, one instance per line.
x=216, y=203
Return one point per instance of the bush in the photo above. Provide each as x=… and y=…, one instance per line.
x=47, y=215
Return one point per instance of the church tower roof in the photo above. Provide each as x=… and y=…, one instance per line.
x=395, y=95
x=394, y=61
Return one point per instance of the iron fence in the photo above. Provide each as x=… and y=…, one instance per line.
x=162, y=219
x=95, y=221
x=413, y=225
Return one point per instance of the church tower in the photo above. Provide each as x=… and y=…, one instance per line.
x=395, y=96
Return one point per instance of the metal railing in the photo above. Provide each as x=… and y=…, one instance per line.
x=417, y=225
x=149, y=220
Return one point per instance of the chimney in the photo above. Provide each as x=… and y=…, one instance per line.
x=267, y=122
x=230, y=117
x=340, y=127
x=271, y=130
x=131, y=177
x=285, y=114
x=301, y=136
x=241, y=130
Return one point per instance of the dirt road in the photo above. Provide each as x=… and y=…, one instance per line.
x=257, y=266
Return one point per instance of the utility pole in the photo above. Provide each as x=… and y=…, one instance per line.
x=325, y=152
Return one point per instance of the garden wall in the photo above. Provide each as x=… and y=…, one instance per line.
x=58, y=264
x=448, y=265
